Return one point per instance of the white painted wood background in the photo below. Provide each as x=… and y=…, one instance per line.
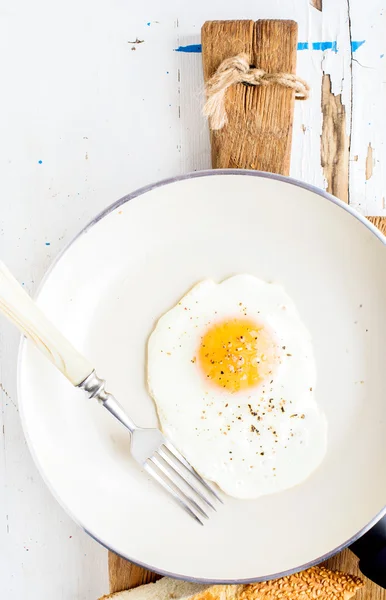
x=87, y=115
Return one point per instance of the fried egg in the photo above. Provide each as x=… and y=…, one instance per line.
x=232, y=372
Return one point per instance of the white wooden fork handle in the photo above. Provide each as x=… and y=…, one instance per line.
x=149, y=447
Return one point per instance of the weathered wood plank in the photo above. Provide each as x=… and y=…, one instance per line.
x=123, y=575
x=259, y=132
x=334, y=142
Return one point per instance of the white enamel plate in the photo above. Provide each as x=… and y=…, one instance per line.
x=106, y=292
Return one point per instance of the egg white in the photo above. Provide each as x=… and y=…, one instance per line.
x=218, y=431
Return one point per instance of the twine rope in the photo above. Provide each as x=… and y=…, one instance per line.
x=238, y=70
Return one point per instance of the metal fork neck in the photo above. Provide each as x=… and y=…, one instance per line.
x=95, y=388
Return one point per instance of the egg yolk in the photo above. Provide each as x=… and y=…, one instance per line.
x=236, y=354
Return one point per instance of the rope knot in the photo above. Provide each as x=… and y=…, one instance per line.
x=238, y=70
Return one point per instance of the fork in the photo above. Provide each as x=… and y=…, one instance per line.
x=149, y=447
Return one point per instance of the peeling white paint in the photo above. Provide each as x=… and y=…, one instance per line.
x=72, y=87
x=369, y=94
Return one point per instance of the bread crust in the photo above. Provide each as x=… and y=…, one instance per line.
x=316, y=583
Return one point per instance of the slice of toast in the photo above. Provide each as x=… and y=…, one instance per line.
x=163, y=589
x=316, y=583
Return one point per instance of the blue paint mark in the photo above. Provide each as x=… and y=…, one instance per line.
x=381, y=56
x=48, y=243
x=356, y=45
x=40, y=162
x=190, y=48
x=319, y=46
x=148, y=24
x=197, y=48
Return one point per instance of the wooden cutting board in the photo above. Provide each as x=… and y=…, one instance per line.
x=124, y=575
x=258, y=136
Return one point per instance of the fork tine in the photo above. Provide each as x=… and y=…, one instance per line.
x=178, y=467
x=165, y=482
x=168, y=470
x=173, y=463
x=188, y=466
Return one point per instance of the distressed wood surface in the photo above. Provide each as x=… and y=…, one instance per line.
x=318, y=4
x=379, y=222
x=75, y=141
x=259, y=130
x=123, y=575
x=334, y=150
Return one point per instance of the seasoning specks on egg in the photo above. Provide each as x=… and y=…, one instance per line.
x=233, y=377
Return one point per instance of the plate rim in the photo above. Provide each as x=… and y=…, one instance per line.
x=105, y=212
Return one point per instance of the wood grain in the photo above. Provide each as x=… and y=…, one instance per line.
x=259, y=132
x=123, y=575
x=334, y=142
x=318, y=4
x=379, y=222
x=369, y=162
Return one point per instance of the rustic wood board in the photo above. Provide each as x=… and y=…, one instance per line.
x=259, y=132
x=265, y=145
x=124, y=575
